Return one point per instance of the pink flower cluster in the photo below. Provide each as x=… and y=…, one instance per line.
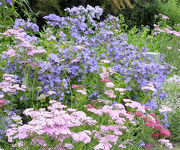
x=106, y=72
x=9, y=86
x=83, y=91
x=121, y=90
x=11, y=52
x=166, y=143
x=110, y=93
x=165, y=109
x=105, y=137
x=2, y=102
x=117, y=115
x=109, y=84
x=164, y=17
x=133, y=104
x=79, y=90
x=56, y=122
x=51, y=92
x=74, y=86
x=20, y=36
x=150, y=87
x=167, y=30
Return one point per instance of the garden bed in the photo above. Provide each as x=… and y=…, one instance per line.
x=80, y=83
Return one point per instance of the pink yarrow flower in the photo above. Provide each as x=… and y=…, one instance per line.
x=166, y=143
x=74, y=86
x=11, y=52
x=150, y=87
x=105, y=80
x=51, y=92
x=148, y=146
x=3, y=101
x=120, y=89
x=109, y=84
x=164, y=17
x=83, y=92
x=122, y=146
x=165, y=109
x=110, y=93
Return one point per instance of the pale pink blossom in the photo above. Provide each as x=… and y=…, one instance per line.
x=3, y=101
x=109, y=84
x=120, y=89
x=150, y=87
x=75, y=60
x=111, y=70
x=11, y=52
x=165, y=109
x=83, y=91
x=166, y=143
x=1, y=96
x=122, y=146
x=164, y=17
x=51, y=92
x=74, y=86
x=110, y=93
x=79, y=47
x=68, y=145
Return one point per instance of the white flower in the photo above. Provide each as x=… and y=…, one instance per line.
x=83, y=92
x=1, y=96
x=120, y=89
x=105, y=61
x=51, y=92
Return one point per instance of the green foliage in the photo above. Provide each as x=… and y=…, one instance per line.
x=170, y=8
x=7, y=16
x=174, y=124
x=19, y=9
x=44, y=7
x=159, y=43
x=142, y=13
x=116, y=5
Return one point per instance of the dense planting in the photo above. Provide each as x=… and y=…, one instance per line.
x=79, y=84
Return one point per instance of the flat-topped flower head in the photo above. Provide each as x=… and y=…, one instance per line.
x=165, y=108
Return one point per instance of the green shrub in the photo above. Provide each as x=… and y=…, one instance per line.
x=170, y=8
x=174, y=124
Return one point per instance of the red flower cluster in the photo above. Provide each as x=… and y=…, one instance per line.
x=165, y=132
x=155, y=135
x=139, y=114
x=155, y=125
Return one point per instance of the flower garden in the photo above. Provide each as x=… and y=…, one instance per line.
x=82, y=83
